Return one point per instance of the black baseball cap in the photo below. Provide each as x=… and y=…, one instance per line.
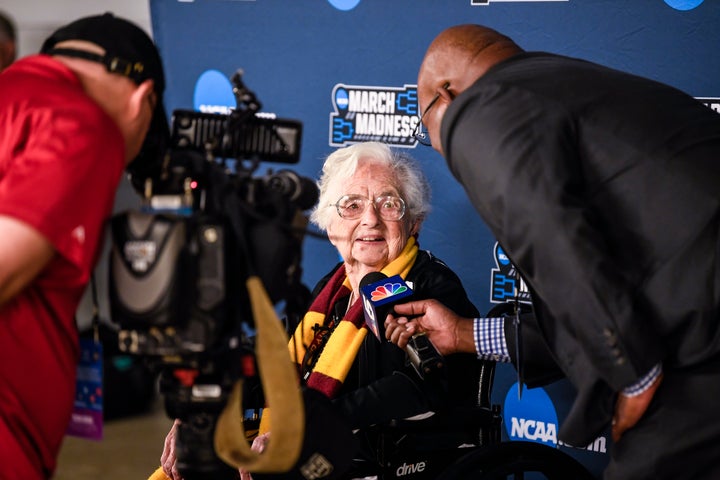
x=129, y=51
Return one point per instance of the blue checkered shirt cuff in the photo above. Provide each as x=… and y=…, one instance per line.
x=489, y=336
x=644, y=383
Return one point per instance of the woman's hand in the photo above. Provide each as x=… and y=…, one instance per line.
x=168, y=460
x=258, y=446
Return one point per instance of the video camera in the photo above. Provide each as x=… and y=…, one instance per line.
x=179, y=263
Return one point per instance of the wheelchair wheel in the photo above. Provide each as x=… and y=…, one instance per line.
x=517, y=461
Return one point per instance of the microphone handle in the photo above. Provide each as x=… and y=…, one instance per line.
x=423, y=356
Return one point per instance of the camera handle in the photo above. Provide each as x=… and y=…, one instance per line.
x=244, y=97
x=282, y=392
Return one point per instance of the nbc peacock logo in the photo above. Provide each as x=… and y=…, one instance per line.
x=387, y=290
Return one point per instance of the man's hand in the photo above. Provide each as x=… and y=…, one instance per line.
x=449, y=332
x=629, y=410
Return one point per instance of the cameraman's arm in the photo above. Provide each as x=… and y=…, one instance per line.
x=24, y=252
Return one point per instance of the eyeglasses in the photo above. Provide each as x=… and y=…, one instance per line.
x=420, y=133
x=389, y=207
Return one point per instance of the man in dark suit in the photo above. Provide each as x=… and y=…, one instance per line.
x=604, y=190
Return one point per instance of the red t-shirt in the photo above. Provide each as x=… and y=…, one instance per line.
x=61, y=158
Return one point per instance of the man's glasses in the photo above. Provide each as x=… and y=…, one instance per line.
x=389, y=207
x=420, y=133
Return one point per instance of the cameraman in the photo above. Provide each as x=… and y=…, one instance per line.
x=71, y=119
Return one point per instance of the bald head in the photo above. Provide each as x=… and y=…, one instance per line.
x=463, y=53
x=457, y=57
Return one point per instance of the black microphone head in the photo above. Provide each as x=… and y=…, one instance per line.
x=372, y=277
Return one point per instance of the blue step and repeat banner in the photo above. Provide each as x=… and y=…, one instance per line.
x=347, y=69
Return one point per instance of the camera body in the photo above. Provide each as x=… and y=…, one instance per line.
x=168, y=283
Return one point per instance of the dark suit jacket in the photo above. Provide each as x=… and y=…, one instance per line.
x=604, y=190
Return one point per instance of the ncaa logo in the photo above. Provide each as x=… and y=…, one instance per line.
x=532, y=418
x=342, y=100
x=213, y=93
x=683, y=5
x=344, y=5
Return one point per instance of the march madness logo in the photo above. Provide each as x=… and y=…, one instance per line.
x=382, y=114
x=506, y=284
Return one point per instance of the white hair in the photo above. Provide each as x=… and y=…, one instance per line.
x=342, y=164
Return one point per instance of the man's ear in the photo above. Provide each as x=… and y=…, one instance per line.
x=7, y=54
x=140, y=95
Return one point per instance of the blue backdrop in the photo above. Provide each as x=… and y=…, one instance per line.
x=347, y=69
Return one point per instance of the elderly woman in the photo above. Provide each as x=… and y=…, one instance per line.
x=372, y=204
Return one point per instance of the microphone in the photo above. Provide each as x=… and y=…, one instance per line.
x=379, y=295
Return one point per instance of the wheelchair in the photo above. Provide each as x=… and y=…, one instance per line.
x=486, y=457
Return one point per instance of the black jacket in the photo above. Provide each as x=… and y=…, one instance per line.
x=603, y=189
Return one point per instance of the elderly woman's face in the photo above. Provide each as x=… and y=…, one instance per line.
x=369, y=240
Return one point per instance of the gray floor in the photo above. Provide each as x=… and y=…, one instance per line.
x=130, y=450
